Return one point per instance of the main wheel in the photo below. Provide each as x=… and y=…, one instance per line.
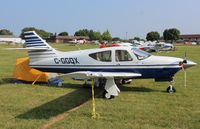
x=107, y=95
x=169, y=90
x=126, y=81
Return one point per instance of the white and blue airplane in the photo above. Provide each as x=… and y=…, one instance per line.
x=108, y=63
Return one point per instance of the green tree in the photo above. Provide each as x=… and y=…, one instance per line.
x=106, y=36
x=152, y=36
x=83, y=32
x=90, y=33
x=40, y=32
x=116, y=39
x=97, y=36
x=172, y=34
x=136, y=38
x=63, y=34
x=5, y=32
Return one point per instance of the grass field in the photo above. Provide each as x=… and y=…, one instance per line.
x=143, y=104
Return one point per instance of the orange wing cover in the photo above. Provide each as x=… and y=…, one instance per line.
x=23, y=72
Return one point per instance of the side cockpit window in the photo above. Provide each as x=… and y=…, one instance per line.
x=104, y=56
x=122, y=55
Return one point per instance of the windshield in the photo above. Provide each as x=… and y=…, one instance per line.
x=141, y=55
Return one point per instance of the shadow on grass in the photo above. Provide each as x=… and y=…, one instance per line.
x=70, y=101
x=14, y=81
x=6, y=81
x=137, y=89
x=72, y=86
x=58, y=106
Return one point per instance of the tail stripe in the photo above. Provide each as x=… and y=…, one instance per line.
x=33, y=40
x=30, y=42
x=35, y=45
x=27, y=38
x=28, y=33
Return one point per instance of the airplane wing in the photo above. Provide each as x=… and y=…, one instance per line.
x=89, y=74
x=110, y=87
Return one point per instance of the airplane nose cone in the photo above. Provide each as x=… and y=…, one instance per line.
x=189, y=64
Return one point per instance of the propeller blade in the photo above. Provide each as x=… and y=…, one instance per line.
x=185, y=58
x=185, y=55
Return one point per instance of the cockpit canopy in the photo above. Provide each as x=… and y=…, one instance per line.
x=121, y=55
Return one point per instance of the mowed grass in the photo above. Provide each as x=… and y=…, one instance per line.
x=143, y=104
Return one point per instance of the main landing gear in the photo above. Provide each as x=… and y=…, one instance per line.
x=171, y=89
x=110, y=88
x=107, y=95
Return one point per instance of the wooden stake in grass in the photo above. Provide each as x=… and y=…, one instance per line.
x=94, y=114
x=185, y=78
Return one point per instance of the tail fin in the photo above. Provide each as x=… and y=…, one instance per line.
x=34, y=40
x=37, y=47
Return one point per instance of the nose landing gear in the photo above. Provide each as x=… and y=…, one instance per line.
x=171, y=88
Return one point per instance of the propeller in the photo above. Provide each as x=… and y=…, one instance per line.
x=185, y=73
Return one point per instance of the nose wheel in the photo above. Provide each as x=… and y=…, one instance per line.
x=171, y=88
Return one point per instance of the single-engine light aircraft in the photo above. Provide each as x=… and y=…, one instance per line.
x=103, y=63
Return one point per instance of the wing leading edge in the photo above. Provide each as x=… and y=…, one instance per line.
x=89, y=74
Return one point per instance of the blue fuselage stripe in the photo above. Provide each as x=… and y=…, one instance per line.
x=106, y=65
x=146, y=73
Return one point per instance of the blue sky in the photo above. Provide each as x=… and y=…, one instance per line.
x=136, y=17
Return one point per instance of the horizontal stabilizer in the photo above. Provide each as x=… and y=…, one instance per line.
x=33, y=48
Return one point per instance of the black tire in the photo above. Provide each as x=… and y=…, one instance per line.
x=104, y=95
x=126, y=81
x=171, y=91
x=87, y=85
x=123, y=81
